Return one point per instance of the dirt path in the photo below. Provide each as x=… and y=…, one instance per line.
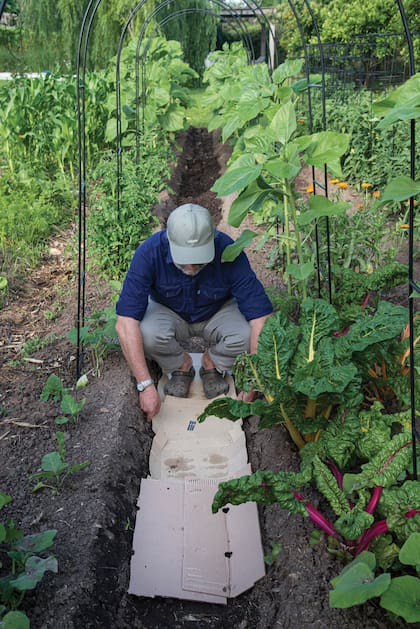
x=95, y=512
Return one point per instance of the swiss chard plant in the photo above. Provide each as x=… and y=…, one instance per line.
x=22, y=567
x=309, y=372
x=375, y=506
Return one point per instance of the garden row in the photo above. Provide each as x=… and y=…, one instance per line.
x=333, y=375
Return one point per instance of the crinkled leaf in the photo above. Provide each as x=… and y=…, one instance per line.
x=388, y=321
x=264, y=487
x=385, y=467
x=277, y=344
x=403, y=598
x=327, y=485
x=396, y=502
x=352, y=524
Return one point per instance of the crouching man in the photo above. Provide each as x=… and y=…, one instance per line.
x=177, y=287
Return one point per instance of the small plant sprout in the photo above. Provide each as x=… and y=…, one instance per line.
x=69, y=405
x=55, y=469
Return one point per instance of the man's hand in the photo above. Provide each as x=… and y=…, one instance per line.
x=246, y=396
x=149, y=401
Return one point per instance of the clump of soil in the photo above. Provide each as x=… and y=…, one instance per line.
x=94, y=514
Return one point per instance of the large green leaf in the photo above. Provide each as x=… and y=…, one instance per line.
x=403, y=598
x=249, y=200
x=244, y=240
x=250, y=106
x=322, y=206
x=281, y=168
x=239, y=174
x=36, y=543
x=283, y=124
x=399, y=113
x=277, y=344
x=317, y=320
x=323, y=374
x=35, y=568
x=231, y=124
x=406, y=95
x=388, y=321
x=356, y=585
x=325, y=147
x=15, y=620
x=287, y=69
x=400, y=189
x=410, y=550
x=301, y=271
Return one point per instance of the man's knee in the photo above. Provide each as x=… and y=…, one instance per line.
x=237, y=343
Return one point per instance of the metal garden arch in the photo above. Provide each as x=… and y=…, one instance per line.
x=239, y=25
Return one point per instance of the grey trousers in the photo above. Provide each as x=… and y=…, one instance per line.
x=226, y=334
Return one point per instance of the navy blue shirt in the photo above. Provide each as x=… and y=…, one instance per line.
x=195, y=298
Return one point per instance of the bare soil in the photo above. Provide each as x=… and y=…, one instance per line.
x=95, y=512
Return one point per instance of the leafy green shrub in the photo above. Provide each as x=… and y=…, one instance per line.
x=115, y=232
x=374, y=155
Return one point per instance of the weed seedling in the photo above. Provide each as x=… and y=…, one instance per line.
x=55, y=469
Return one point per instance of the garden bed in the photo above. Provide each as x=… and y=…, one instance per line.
x=94, y=513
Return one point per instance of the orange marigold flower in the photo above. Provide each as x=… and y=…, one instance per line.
x=310, y=188
x=343, y=185
x=360, y=206
x=334, y=181
x=376, y=194
x=367, y=185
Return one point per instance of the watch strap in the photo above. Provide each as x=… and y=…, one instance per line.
x=143, y=384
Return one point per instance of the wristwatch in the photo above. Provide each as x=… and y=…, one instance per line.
x=143, y=384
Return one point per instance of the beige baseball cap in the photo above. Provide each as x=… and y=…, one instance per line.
x=190, y=232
